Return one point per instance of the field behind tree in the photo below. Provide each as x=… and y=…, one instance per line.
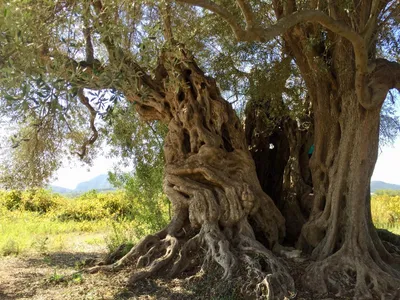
x=39, y=221
x=45, y=237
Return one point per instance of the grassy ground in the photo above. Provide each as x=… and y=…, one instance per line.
x=26, y=233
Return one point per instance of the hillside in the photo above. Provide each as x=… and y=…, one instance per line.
x=380, y=185
x=99, y=183
x=59, y=189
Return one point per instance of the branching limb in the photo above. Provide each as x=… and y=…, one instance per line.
x=287, y=22
x=372, y=21
x=89, y=45
x=167, y=24
x=247, y=13
x=360, y=49
x=95, y=134
x=385, y=76
x=219, y=10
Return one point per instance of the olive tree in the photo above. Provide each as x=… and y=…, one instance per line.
x=340, y=49
x=210, y=177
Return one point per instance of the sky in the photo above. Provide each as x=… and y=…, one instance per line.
x=387, y=168
x=70, y=176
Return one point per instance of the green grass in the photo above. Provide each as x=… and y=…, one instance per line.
x=25, y=232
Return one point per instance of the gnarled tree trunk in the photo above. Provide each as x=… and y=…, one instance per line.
x=211, y=181
x=345, y=244
x=349, y=257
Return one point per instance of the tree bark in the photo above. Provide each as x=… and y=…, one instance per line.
x=282, y=164
x=349, y=256
x=345, y=245
x=211, y=181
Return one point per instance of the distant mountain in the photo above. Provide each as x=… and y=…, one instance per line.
x=380, y=185
x=99, y=183
x=59, y=189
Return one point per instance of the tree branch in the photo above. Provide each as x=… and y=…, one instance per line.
x=89, y=45
x=87, y=73
x=95, y=134
x=385, y=76
x=376, y=7
x=167, y=24
x=285, y=23
x=219, y=10
x=247, y=13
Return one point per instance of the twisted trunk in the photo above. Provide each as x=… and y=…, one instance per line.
x=345, y=244
x=211, y=181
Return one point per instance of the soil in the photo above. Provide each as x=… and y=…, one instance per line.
x=49, y=276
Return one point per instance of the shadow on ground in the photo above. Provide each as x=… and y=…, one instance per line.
x=64, y=259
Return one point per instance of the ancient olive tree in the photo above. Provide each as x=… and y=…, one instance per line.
x=340, y=49
x=209, y=174
x=130, y=49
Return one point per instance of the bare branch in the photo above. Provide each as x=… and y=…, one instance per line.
x=247, y=13
x=217, y=9
x=371, y=25
x=385, y=76
x=95, y=134
x=166, y=16
x=287, y=22
x=89, y=45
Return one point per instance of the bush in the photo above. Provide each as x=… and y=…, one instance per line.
x=96, y=206
x=40, y=200
x=11, y=200
x=11, y=247
x=385, y=210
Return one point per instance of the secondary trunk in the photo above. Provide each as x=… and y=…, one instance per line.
x=211, y=181
x=345, y=245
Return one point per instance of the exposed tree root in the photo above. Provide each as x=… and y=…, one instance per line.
x=258, y=272
x=352, y=272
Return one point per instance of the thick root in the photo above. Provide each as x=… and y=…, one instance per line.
x=255, y=269
x=352, y=276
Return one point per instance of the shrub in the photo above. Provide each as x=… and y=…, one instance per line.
x=11, y=200
x=40, y=200
x=385, y=210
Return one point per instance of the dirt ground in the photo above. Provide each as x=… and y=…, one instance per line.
x=50, y=276
x=55, y=276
